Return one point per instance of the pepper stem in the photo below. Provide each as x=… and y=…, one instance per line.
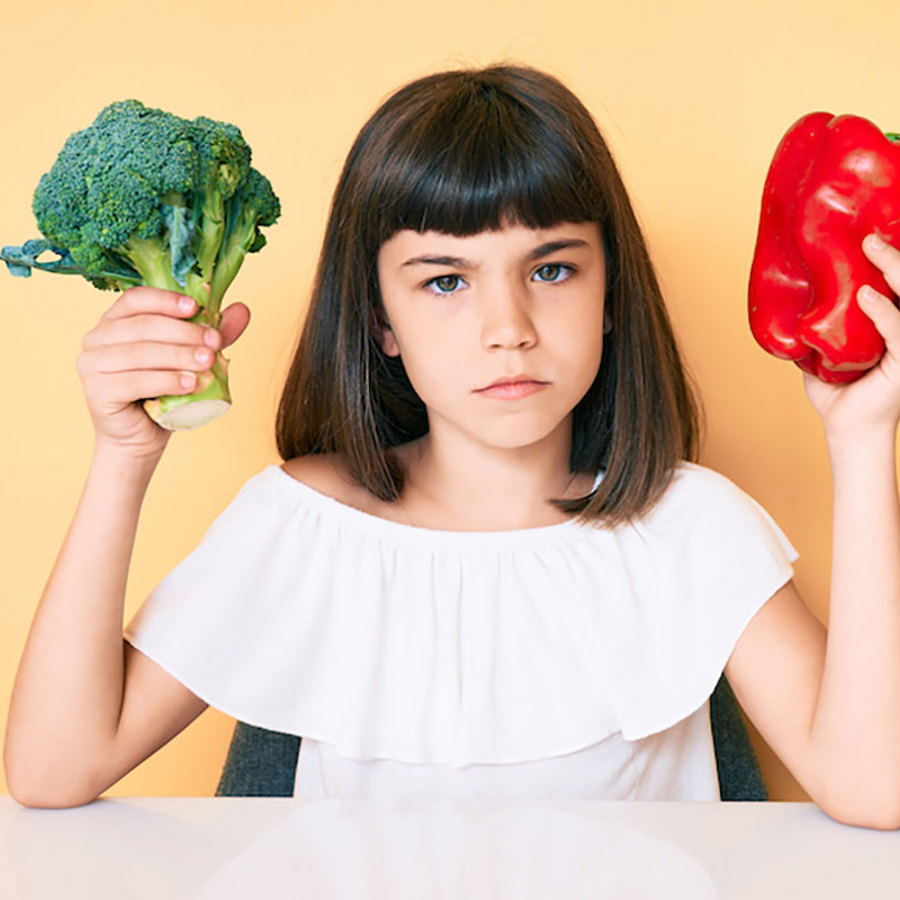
x=893, y=137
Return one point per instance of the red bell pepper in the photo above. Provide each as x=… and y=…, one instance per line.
x=832, y=181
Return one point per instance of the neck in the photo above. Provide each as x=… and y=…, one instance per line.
x=458, y=484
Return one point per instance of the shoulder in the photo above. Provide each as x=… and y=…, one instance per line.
x=329, y=474
x=698, y=496
x=704, y=508
x=704, y=485
x=698, y=475
x=323, y=472
x=694, y=486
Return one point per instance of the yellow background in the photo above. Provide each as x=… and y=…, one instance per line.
x=692, y=96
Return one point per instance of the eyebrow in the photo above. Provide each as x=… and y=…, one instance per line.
x=460, y=263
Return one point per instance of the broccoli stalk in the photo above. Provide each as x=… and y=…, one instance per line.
x=145, y=197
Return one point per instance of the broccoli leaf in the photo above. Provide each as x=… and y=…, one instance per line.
x=180, y=225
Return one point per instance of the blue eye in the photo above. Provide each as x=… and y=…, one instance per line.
x=441, y=280
x=560, y=267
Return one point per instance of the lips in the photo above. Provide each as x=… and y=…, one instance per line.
x=512, y=389
x=513, y=379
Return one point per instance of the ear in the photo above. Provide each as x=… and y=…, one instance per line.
x=389, y=342
x=383, y=333
x=607, y=323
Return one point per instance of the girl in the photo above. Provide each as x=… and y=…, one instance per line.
x=490, y=565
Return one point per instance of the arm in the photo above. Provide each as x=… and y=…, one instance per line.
x=857, y=718
x=64, y=716
x=829, y=704
x=86, y=707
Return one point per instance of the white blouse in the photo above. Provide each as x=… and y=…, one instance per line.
x=565, y=661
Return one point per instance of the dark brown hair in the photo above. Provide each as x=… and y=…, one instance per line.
x=462, y=152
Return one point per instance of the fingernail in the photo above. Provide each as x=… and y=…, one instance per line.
x=869, y=294
x=876, y=243
x=211, y=338
x=185, y=304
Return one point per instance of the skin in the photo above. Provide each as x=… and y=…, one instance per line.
x=827, y=701
x=489, y=464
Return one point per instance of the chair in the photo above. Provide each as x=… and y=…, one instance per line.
x=262, y=763
x=739, y=775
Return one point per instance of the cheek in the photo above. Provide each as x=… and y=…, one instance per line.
x=434, y=368
x=580, y=334
x=437, y=364
x=579, y=353
x=585, y=363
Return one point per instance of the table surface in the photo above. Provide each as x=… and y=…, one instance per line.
x=224, y=847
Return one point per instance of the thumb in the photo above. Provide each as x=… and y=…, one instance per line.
x=235, y=319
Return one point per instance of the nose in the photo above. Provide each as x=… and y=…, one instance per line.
x=506, y=317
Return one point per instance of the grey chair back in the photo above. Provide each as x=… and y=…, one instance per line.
x=263, y=763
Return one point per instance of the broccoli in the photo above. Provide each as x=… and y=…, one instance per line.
x=143, y=196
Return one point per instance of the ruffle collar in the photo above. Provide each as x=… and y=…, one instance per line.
x=300, y=614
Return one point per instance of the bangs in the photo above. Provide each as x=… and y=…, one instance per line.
x=478, y=159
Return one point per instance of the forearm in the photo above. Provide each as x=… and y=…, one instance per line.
x=857, y=719
x=68, y=689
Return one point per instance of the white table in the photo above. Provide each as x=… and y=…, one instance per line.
x=217, y=847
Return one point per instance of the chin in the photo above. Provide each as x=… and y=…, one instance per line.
x=515, y=435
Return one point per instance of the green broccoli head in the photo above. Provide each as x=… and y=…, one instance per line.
x=108, y=184
x=143, y=196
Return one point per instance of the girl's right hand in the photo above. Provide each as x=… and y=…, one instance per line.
x=140, y=348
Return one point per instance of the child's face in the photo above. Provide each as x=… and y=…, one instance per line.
x=496, y=310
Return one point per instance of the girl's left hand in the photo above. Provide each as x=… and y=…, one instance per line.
x=873, y=401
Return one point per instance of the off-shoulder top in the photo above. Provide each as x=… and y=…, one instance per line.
x=564, y=661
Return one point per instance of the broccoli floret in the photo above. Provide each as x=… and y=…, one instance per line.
x=224, y=164
x=143, y=196
x=254, y=204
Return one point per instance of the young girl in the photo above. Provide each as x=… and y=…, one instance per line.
x=490, y=565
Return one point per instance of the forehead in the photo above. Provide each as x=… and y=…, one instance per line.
x=512, y=239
